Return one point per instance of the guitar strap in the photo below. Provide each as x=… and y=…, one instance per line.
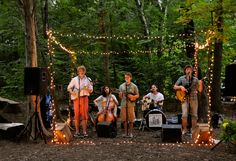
x=190, y=85
x=128, y=89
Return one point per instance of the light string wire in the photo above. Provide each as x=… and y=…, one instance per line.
x=210, y=77
x=73, y=57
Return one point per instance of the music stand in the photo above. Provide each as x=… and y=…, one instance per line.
x=37, y=125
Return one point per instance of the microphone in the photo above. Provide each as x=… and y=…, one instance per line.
x=126, y=82
x=189, y=75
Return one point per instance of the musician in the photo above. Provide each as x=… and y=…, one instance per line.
x=189, y=85
x=107, y=105
x=156, y=97
x=80, y=87
x=128, y=94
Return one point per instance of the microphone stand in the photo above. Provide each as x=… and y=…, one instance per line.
x=79, y=104
x=126, y=90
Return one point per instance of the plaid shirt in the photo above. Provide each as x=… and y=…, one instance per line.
x=191, y=85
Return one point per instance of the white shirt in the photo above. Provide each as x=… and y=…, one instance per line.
x=155, y=97
x=81, y=84
x=102, y=103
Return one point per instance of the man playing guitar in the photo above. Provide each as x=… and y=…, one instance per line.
x=188, y=84
x=128, y=94
x=156, y=97
x=80, y=88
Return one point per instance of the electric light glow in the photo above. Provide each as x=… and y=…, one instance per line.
x=73, y=56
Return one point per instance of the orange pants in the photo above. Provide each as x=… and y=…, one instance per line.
x=81, y=108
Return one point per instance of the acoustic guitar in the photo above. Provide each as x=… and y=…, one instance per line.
x=180, y=95
x=130, y=96
x=148, y=102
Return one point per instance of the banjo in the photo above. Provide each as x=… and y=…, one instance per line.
x=75, y=93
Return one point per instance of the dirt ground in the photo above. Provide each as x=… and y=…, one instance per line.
x=146, y=145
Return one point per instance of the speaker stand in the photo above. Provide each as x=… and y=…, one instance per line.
x=37, y=125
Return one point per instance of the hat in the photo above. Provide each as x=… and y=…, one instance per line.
x=187, y=66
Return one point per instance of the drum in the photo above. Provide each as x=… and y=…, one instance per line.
x=154, y=119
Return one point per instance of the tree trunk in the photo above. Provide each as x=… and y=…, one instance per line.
x=163, y=8
x=142, y=17
x=28, y=7
x=143, y=20
x=216, y=93
x=104, y=44
x=45, y=19
x=28, y=11
x=190, y=39
x=202, y=105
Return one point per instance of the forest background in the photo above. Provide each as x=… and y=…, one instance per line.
x=152, y=39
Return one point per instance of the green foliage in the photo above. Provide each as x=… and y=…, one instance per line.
x=12, y=79
x=228, y=131
x=120, y=17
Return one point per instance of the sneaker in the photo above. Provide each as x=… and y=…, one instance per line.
x=184, y=131
x=85, y=135
x=78, y=135
x=189, y=133
x=125, y=135
x=131, y=135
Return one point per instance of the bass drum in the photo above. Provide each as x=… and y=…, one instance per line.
x=154, y=119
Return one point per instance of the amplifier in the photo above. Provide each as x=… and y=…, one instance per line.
x=106, y=129
x=171, y=133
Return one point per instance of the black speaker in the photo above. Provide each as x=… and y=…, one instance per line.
x=106, y=129
x=35, y=81
x=230, y=79
x=171, y=133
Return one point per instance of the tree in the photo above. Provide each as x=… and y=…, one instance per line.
x=104, y=42
x=76, y=23
x=216, y=93
x=28, y=8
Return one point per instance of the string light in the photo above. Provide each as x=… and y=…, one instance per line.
x=210, y=89
x=73, y=53
x=130, y=142
x=210, y=35
x=126, y=37
x=119, y=143
x=57, y=137
x=50, y=69
x=117, y=53
x=73, y=57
